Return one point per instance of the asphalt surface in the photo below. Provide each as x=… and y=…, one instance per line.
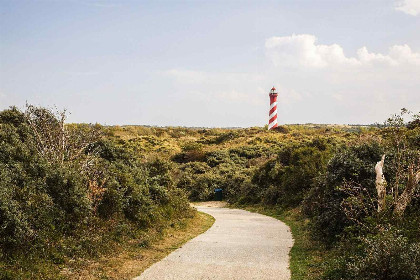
x=239, y=245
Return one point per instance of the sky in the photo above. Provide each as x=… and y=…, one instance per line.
x=212, y=63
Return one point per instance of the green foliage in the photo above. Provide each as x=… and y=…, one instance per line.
x=191, y=151
x=387, y=255
x=96, y=190
x=220, y=138
x=286, y=179
x=112, y=200
x=158, y=172
x=324, y=201
x=68, y=195
x=53, y=208
x=325, y=171
x=215, y=158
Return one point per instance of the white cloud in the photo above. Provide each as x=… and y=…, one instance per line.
x=303, y=50
x=366, y=57
x=411, y=7
x=404, y=54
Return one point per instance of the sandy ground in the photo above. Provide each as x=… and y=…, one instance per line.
x=240, y=245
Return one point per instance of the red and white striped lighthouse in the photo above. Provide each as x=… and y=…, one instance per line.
x=272, y=123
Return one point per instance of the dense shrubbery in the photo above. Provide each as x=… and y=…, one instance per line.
x=325, y=200
x=135, y=178
x=385, y=255
x=378, y=234
x=329, y=174
x=285, y=180
x=60, y=185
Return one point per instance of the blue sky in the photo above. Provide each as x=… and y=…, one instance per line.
x=212, y=63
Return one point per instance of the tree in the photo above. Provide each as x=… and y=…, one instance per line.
x=59, y=142
x=402, y=143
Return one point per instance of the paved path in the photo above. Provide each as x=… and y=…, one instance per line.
x=239, y=245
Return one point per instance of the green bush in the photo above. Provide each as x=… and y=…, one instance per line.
x=112, y=200
x=388, y=255
x=215, y=158
x=69, y=195
x=324, y=201
x=285, y=180
x=65, y=205
x=249, y=152
x=15, y=229
x=60, y=205
x=191, y=151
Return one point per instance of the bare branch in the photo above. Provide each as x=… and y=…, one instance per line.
x=58, y=142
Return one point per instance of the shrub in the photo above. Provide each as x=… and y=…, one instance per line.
x=69, y=195
x=56, y=204
x=248, y=152
x=324, y=201
x=387, y=255
x=286, y=180
x=215, y=158
x=112, y=201
x=15, y=229
x=191, y=151
x=159, y=194
x=158, y=172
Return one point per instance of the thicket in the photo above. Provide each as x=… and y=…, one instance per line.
x=69, y=191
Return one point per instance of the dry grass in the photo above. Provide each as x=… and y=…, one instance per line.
x=210, y=204
x=133, y=259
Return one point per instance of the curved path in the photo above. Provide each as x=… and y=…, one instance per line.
x=239, y=245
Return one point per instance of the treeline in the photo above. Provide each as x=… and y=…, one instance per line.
x=68, y=192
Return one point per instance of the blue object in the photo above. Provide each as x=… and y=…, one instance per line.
x=218, y=194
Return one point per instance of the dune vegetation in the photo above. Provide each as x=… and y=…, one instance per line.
x=69, y=194
x=71, y=191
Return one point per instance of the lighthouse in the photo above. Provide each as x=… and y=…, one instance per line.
x=272, y=119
